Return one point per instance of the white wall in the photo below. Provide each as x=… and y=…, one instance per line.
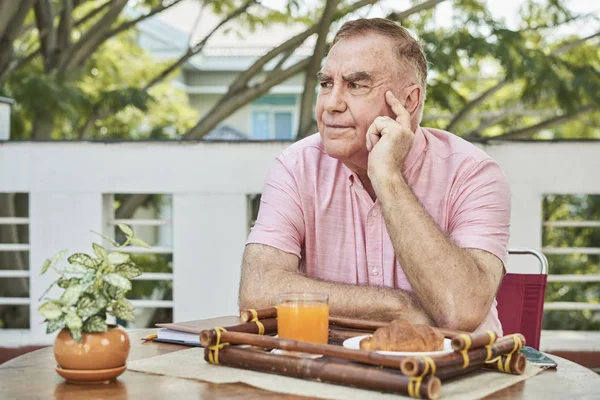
x=4, y=121
x=209, y=183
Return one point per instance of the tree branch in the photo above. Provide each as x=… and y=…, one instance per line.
x=44, y=19
x=524, y=132
x=91, y=14
x=399, y=16
x=224, y=109
x=7, y=11
x=65, y=27
x=482, y=97
x=571, y=45
x=10, y=33
x=242, y=79
x=310, y=79
x=199, y=46
x=474, y=103
x=93, y=38
x=126, y=25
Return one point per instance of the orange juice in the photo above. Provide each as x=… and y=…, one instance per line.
x=303, y=320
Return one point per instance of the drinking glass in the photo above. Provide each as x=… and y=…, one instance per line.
x=303, y=316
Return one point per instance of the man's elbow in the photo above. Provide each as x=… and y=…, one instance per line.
x=467, y=320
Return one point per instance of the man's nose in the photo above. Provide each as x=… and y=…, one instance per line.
x=335, y=101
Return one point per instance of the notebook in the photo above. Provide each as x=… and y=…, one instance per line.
x=187, y=333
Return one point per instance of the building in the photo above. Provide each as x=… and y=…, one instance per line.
x=207, y=76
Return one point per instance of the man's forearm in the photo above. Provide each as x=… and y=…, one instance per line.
x=261, y=283
x=444, y=277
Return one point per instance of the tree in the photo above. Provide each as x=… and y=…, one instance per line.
x=578, y=208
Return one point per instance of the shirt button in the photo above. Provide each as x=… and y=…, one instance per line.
x=374, y=213
x=375, y=271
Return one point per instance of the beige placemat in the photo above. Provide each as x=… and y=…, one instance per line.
x=190, y=364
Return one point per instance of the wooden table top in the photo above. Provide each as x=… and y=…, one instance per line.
x=32, y=376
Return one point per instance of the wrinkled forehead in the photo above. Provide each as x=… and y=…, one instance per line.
x=371, y=53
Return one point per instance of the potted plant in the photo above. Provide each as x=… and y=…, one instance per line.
x=88, y=349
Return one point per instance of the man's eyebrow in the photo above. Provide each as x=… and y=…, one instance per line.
x=358, y=76
x=321, y=76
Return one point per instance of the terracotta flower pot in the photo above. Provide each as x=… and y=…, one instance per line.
x=96, y=351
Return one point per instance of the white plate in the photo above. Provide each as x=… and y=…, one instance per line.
x=354, y=343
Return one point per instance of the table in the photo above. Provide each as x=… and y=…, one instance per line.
x=32, y=376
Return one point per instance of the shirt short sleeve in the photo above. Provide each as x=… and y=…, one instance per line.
x=280, y=221
x=480, y=216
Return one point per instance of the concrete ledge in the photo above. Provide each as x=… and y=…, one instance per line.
x=582, y=347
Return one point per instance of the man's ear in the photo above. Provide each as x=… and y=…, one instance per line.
x=413, y=94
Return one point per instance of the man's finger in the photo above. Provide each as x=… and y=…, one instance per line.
x=397, y=107
x=378, y=128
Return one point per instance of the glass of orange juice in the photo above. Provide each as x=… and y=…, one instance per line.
x=303, y=316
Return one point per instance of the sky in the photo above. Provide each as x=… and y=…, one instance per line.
x=183, y=17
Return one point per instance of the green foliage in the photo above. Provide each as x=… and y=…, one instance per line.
x=578, y=208
x=96, y=287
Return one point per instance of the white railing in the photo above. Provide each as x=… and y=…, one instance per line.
x=70, y=186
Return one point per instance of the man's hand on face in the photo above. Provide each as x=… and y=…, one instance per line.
x=389, y=141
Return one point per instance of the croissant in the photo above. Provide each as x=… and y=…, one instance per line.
x=403, y=336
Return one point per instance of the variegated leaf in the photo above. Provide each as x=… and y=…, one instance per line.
x=110, y=240
x=128, y=270
x=123, y=309
x=100, y=251
x=73, y=320
x=89, y=277
x=118, y=281
x=125, y=229
x=86, y=306
x=83, y=259
x=59, y=256
x=75, y=269
x=140, y=242
x=71, y=295
x=116, y=258
x=76, y=334
x=55, y=325
x=45, y=267
x=51, y=310
x=95, y=324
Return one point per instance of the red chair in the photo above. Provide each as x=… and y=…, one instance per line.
x=521, y=300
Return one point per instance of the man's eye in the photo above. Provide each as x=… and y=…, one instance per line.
x=325, y=84
x=354, y=85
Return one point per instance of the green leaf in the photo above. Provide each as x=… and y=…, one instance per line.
x=140, y=242
x=125, y=229
x=65, y=283
x=90, y=304
x=51, y=310
x=118, y=281
x=59, y=256
x=100, y=251
x=75, y=269
x=117, y=258
x=110, y=240
x=89, y=277
x=95, y=323
x=83, y=259
x=55, y=325
x=45, y=267
x=123, y=309
x=71, y=295
x=128, y=270
x=76, y=334
x=73, y=320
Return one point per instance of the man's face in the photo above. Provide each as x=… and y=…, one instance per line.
x=357, y=73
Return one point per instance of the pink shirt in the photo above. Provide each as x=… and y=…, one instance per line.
x=313, y=206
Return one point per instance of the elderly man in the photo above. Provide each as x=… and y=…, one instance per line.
x=391, y=219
